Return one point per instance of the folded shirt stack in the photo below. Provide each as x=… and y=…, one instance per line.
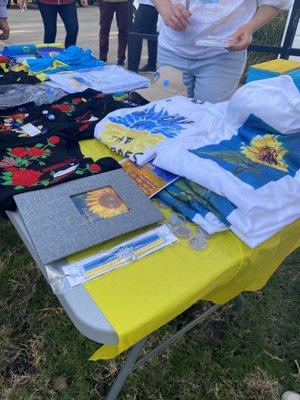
x=254, y=169
x=108, y=79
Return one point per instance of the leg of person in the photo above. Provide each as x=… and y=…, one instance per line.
x=68, y=14
x=122, y=23
x=167, y=58
x=134, y=44
x=49, y=17
x=218, y=77
x=107, y=11
x=152, y=44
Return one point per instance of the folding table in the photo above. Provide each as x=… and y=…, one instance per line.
x=163, y=285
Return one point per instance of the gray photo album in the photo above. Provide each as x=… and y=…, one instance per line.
x=76, y=215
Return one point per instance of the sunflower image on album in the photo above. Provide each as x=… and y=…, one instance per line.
x=138, y=131
x=100, y=204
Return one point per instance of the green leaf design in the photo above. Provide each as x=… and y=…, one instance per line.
x=7, y=173
x=241, y=162
x=39, y=145
x=42, y=163
x=19, y=187
x=79, y=172
x=45, y=182
x=6, y=183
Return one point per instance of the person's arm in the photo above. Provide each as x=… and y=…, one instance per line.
x=176, y=16
x=4, y=27
x=265, y=13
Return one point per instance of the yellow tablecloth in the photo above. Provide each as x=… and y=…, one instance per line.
x=143, y=296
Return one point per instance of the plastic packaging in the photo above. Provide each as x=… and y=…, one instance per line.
x=63, y=276
x=14, y=95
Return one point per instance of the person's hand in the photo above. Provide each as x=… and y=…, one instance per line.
x=241, y=39
x=4, y=27
x=22, y=4
x=176, y=16
x=84, y=3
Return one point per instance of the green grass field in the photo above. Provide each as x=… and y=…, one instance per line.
x=42, y=356
x=252, y=357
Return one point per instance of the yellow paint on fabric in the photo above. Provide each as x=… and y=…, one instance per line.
x=94, y=149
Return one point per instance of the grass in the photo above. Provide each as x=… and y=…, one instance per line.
x=253, y=357
x=42, y=355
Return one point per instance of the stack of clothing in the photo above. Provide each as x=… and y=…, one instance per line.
x=240, y=159
x=271, y=69
x=39, y=145
x=250, y=174
x=36, y=70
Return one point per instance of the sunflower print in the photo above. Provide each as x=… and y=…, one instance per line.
x=134, y=133
x=266, y=150
x=127, y=141
x=105, y=203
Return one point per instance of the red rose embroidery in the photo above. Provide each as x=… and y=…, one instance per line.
x=19, y=152
x=54, y=140
x=35, y=152
x=94, y=167
x=25, y=178
x=63, y=107
x=19, y=116
x=77, y=100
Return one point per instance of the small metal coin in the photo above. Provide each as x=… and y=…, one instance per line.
x=197, y=243
x=183, y=231
x=176, y=219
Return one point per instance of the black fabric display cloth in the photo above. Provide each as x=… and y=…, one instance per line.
x=73, y=116
x=36, y=164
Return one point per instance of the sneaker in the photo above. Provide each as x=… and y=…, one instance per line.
x=121, y=63
x=290, y=396
x=148, y=68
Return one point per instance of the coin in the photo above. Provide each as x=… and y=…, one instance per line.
x=183, y=231
x=197, y=243
x=176, y=219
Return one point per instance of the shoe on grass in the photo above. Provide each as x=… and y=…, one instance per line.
x=148, y=68
x=290, y=396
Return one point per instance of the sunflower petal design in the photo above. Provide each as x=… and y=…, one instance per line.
x=105, y=203
x=153, y=122
x=266, y=150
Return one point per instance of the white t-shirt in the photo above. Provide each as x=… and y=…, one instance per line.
x=210, y=18
x=233, y=164
x=137, y=133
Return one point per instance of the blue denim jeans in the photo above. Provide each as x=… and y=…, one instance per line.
x=211, y=79
x=68, y=14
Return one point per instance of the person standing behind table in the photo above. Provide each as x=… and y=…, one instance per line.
x=68, y=13
x=145, y=22
x=107, y=10
x=211, y=73
x=4, y=27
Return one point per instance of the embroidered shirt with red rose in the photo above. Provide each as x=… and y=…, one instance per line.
x=34, y=164
x=73, y=116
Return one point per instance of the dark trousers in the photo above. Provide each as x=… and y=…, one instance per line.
x=68, y=14
x=145, y=22
x=107, y=11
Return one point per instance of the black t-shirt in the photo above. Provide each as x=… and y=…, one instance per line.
x=73, y=116
x=36, y=164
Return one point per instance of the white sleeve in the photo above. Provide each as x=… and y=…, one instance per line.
x=280, y=4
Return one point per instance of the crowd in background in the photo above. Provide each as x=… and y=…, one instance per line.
x=184, y=25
